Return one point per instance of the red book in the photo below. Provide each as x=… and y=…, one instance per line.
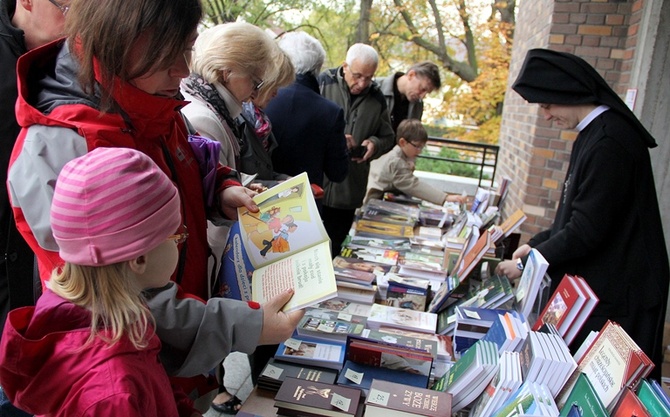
x=584, y=313
x=629, y=405
x=563, y=305
x=612, y=362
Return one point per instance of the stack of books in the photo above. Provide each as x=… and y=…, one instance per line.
x=506, y=382
x=470, y=375
x=275, y=372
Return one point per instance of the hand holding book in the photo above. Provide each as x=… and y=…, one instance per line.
x=278, y=325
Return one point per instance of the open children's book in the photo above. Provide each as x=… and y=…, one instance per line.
x=282, y=246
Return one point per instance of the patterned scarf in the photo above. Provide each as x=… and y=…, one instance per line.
x=196, y=86
x=260, y=122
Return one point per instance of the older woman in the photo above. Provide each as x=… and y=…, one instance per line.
x=229, y=66
x=309, y=128
x=259, y=141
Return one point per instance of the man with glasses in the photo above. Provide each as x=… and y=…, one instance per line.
x=404, y=92
x=368, y=132
x=24, y=25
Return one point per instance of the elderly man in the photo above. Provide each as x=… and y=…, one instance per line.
x=608, y=225
x=404, y=92
x=368, y=131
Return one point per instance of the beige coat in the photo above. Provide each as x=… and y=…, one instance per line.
x=394, y=171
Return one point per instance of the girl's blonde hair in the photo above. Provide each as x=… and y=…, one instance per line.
x=112, y=296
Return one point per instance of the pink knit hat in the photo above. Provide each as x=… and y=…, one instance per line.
x=112, y=205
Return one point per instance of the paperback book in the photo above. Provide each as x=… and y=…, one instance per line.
x=401, y=318
x=283, y=246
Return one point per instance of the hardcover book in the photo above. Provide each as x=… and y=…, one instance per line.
x=318, y=398
x=651, y=400
x=283, y=246
x=276, y=371
x=629, y=405
x=568, y=307
x=311, y=352
x=360, y=376
x=563, y=305
x=390, y=399
x=613, y=361
x=387, y=355
x=585, y=399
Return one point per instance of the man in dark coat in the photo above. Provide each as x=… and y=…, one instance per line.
x=608, y=225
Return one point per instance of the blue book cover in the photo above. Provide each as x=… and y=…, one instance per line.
x=374, y=372
x=234, y=279
x=312, y=352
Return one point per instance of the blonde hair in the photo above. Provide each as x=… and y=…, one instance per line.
x=281, y=74
x=232, y=46
x=112, y=296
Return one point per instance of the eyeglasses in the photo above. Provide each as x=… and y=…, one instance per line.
x=179, y=238
x=257, y=84
x=188, y=56
x=63, y=8
x=417, y=147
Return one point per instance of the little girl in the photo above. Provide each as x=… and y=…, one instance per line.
x=88, y=347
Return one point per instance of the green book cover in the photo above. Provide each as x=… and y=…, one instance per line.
x=584, y=396
x=651, y=401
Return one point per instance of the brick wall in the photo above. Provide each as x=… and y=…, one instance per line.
x=534, y=154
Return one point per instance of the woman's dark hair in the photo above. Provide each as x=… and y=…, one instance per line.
x=106, y=31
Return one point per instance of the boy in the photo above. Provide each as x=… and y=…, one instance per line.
x=395, y=169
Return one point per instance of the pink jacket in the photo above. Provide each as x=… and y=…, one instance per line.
x=44, y=369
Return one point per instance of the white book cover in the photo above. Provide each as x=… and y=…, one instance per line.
x=402, y=318
x=531, y=279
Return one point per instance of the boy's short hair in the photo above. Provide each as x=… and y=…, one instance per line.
x=412, y=130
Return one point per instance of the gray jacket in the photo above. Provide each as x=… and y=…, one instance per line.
x=386, y=87
x=366, y=117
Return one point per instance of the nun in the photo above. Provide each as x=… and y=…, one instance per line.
x=607, y=227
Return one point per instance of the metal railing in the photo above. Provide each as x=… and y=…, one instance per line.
x=481, y=155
